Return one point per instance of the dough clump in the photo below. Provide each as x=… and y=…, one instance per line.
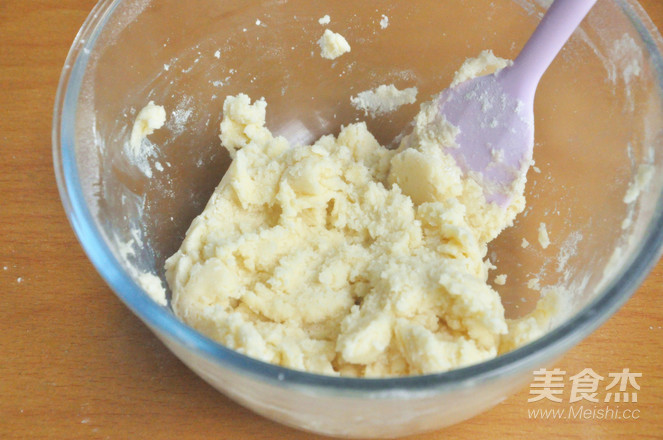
x=333, y=45
x=345, y=257
x=383, y=99
x=150, y=118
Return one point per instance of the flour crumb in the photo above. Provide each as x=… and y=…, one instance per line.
x=524, y=244
x=384, y=23
x=180, y=116
x=138, y=150
x=19, y=280
x=534, y=284
x=383, y=99
x=166, y=67
x=217, y=54
x=150, y=118
x=5, y=268
x=325, y=20
x=642, y=178
x=544, y=239
x=500, y=280
x=333, y=45
x=258, y=22
x=153, y=286
x=475, y=67
x=536, y=169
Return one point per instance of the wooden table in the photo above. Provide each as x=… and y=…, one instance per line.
x=75, y=363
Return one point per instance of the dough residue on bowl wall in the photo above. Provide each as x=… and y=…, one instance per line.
x=138, y=150
x=544, y=238
x=642, y=177
x=384, y=22
x=383, y=99
x=333, y=45
x=500, y=280
x=150, y=118
x=151, y=284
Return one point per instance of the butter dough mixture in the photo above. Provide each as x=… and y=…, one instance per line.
x=150, y=118
x=345, y=257
x=333, y=45
x=383, y=99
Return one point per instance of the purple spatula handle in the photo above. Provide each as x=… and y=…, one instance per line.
x=556, y=27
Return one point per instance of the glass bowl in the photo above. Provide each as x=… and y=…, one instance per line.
x=599, y=116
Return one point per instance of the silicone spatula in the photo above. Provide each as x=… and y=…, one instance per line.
x=495, y=113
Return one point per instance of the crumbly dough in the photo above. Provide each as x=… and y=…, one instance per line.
x=485, y=63
x=153, y=286
x=344, y=257
x=500, y=280
x=384, y=22
x=383, y=99
x=333, y=45
x=642, y=178
x=534, y=284
x=150, y=118
x=544, y=238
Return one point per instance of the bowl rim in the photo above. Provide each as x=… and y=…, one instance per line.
x=165, y=324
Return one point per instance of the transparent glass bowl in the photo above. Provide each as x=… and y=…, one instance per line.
x=599, y=116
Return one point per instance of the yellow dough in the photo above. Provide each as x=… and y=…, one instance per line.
x=344, y=257
x=333, y=45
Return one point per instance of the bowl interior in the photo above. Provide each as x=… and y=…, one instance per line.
x=599, y=115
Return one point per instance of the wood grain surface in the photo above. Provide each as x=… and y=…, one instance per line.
x=76, y=364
